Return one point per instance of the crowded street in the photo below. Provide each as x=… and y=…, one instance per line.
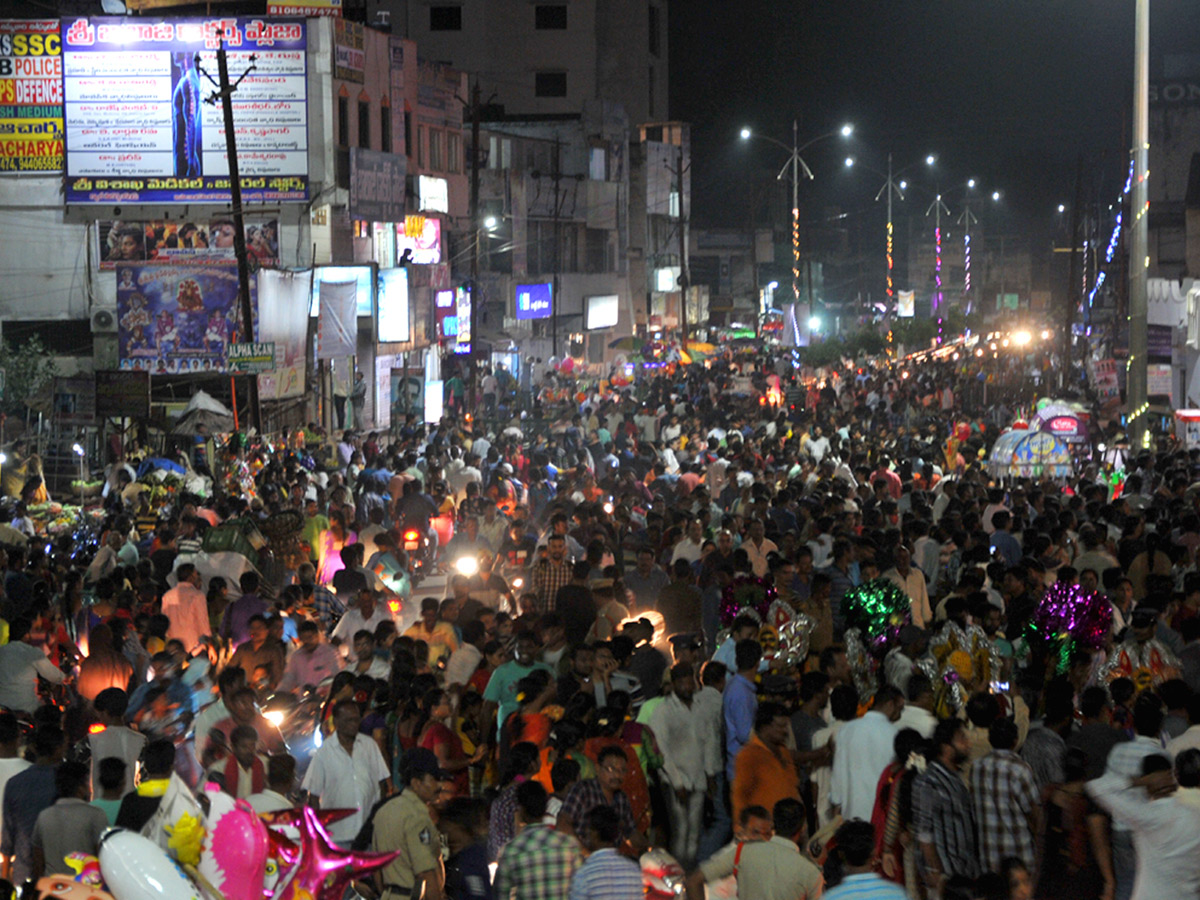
x=681, y=619
x=599, y=450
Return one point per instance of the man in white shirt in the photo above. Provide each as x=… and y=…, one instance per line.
x=464, y=661
x=11, y=762
x=912, y=582
x=187, y=608
x=918, y=707
x=862, y=751
x=20, y=666
x=348, y=772
x=281, y=781
x=365, y=615
x=1165, y=825
x=689, y=546
x=691, y=760
x=1126, y=761
x=818, y=445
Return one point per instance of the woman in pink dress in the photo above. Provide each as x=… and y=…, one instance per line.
x=332, y=542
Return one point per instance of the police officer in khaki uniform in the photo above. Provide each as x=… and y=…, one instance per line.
x=404, y=824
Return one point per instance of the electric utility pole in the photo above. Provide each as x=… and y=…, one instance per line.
x=678, y=171
x=225, y=95
x=475, y=293
x=556, y=174
x=1072, y=275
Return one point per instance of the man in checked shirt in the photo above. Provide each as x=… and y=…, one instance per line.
x=1007, y=803
x=942, y=806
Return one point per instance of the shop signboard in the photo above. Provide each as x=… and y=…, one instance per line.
x=138, y=129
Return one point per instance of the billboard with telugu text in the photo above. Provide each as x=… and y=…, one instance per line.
x=138, y=129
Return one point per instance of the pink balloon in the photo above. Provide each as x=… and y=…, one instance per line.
x=324, y=870
x=234, y=858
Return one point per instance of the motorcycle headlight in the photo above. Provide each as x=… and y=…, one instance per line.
x=274, y=716
x=518, y=583
x=467, y=565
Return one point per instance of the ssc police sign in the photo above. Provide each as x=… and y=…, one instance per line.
x=31, y=112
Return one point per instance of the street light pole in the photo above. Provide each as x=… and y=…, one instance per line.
x=795, y=161
x=890, y=188
x=937, y=207
x=797, y=164
x=1136, y=375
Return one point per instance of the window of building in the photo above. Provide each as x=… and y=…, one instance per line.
x=499, y=152
x=598, y=164
x=437, y=156
x=445, y=18
x=547, y=17
x=650, y=92
x=421, y=146
x=364, y=124
x=550, y=84
x=599, y=256
x=343, y=121
x=408, y=137
x=453, y=152
x=385, y=126
x=655, y=30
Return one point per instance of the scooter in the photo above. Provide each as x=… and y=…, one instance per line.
x=662, y=875
x=415, y=543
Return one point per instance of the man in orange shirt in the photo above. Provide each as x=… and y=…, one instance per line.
x=764, y=772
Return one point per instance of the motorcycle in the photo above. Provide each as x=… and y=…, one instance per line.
x=662, y=875
x=415, y=543
x=297, y=717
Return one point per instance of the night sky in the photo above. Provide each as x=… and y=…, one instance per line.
x=1007, y=91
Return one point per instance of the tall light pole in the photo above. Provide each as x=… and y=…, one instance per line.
x=891, y=188
x=1136, y=387
x=967, y=219
x=937, y=207
x=795, y=163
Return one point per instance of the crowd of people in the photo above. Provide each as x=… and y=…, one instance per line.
x=599, y=675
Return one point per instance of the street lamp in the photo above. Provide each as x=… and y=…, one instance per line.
x=78, y=451
x=796, y=164
x=891, y=187
x=937, y=207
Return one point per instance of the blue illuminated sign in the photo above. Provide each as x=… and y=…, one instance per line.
x=534, y=301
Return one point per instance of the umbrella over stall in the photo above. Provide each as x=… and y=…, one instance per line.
x=204, y=410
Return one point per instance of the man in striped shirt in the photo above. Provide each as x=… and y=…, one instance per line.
x=1006, y=801
x=606, y=874
x=942, y=807
x=856, y=842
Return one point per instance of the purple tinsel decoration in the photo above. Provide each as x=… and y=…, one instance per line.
x=746, y=593
x=1083, y=617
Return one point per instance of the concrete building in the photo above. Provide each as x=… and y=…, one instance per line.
x=545, y=58
x=555, y=203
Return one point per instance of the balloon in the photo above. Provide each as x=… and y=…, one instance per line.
x=234, y=857
x=324, y=870
x=86, y=868
x=64, y=887
x=135, y=868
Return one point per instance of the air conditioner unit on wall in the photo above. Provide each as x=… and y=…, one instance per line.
x=104, y=321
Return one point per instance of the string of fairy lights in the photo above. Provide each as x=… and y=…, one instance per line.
x=889, y=260
x=1114, y=239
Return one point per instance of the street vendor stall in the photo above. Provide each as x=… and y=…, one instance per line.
x=1021, y=453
